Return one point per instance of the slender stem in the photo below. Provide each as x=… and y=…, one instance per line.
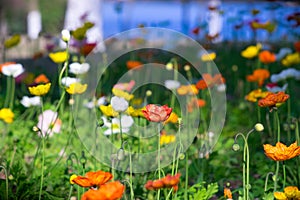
x=70, y=192
x=121, y=133
x=186, y=176
x=278, y=126
x=12, y=93
x=43, y=153
x=276, y=176
x=266, y=181
x=258, y=113
x=284, y=174
x=6, y=181
x=158, y=159
x=130, y=173
x=8, y=91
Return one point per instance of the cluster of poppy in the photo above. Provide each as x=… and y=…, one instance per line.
x=290, y=193
x=99, y=186
x=168, y=181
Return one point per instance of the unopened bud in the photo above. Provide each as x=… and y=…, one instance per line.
x=65, y=35
x=149, y=93
x=169, y=66
x=259, y=127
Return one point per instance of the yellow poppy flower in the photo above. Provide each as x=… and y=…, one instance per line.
x=254, y=95
x=291, y=59
x=208, y=57
x=134, y=112
x=167, y=139
x=292, y=192
x=280, y=196
x=6, y=115
x=172, y=119
x=108, y=111
x=40, y=90
x=12, y=41
x=76, y=88
x=251, y=51
x=58, y=57
x=121, y=93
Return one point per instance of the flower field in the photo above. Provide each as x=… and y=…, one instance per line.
x=150, y=117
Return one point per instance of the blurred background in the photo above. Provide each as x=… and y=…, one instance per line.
x=213, y=20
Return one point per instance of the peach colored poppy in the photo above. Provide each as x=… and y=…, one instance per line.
x=209, y=81
x=109, y=191
x=156, y=113
x=266, y=57
x=133, y=64
x=259, y=76
x=195, y=103
x=42, y=78
x=91, y=179
x=273, y=99
x=281, y=152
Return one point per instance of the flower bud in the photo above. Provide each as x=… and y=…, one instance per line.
x=148, y=93
x=259, y=127
x=35, y=129
x=235, y=147
x=169, y=66
x=187, y=68
x=65, y=35
x=121, y=154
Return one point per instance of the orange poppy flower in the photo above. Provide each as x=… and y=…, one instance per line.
x=209, y=81
x=109, y=191
x=92, y=179
x=168, y=181
x=273, y=100
x=133, y=64
x=281, y=152
x=267, y=57
x=227, y=193
x=41, y=79
x=187, y=90
x=259, y=76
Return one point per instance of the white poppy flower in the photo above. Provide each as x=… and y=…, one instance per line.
x=172, y=84
x=49, y=123
x=67, y=81
x=65, y=35
x=77, y=68
x=93, y=103
x=30, y=101
x=114, y=126
x=13, y=70
x=284, y=74
x=119, y=104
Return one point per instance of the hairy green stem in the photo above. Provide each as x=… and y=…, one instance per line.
x=6, y=181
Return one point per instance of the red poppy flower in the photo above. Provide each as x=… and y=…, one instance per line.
x=87, y=48
x=109, y=191
x=156, y=113
x=92, y=179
